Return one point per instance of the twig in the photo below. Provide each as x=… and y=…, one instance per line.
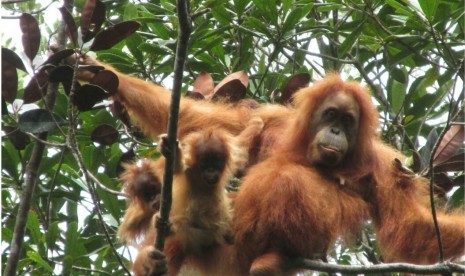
x=88, y=177
x=181, y=49
x=440, y=268
x=31, y=12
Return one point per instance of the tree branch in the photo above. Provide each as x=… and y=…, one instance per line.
x=181, y=50
x=441, y=268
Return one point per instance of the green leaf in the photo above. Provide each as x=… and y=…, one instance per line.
x=38, y=260
x=258, y=25
x=133, y=42
x=429, y=8
x=428, y=148
x=52, y=235
x=396, y=94
x=221, y=14
x=457, y=199
x=71, y=240
x=33, y=226
x=294, y=17
x=268, y=9
x=240, y=6
x=130, y=12
x=349, y=42
x=400, y=7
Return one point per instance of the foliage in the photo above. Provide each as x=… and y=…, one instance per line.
x=411, y=56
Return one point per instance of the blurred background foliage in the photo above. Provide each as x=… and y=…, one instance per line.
x=409, y=53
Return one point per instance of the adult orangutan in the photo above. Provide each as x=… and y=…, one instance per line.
x=324, y=172
x=329, y=176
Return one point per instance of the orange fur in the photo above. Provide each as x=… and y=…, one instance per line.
x=403, y=218
x=201, y=213
x=369, y=173
x=138, y=216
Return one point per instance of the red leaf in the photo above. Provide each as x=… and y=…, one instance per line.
x=36, y=88
x=203, y=84
x=70, y=24
x=295, y=83
x=96, y=11
x=31, y=35
x=107, y=80
x=10, y=87
x=233, y=91
x=13, y=59
x=241, y=76
x=111, y=36
x=450, y=144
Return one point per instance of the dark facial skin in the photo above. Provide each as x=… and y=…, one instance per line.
x=148, y=188
x=334, y=126
x=211, y=161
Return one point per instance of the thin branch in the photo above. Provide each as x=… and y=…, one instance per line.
x=181, y=50
x=441, y=268
x=431, y=189
x=31, y=12
x=45, y=142
x=199, y=13
x=88, y=177
x=103, y=187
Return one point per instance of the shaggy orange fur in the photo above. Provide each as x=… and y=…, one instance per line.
x=373, y=190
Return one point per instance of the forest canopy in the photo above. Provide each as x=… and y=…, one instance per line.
x=62, y=155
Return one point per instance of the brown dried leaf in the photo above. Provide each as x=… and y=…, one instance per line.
x=31, y=35
x=58, y=56
x=4, y=107
x=240, y=75
x=450, y=144
x=86, y=16
x=107, y=80
x=70, y=25
x=63, y=74
x=96, y=20
x=10, y=87
x=232, y=91
x=204, y=84
x=36, y=88
x=114, y=34
x=12, y=58
x=119, y=111
x=293, y=85
x=195, y=95
x=453, y=164
x=88, y=95
x=125, y=158
x=18, y=138
x=442, y=181
x=104, y=135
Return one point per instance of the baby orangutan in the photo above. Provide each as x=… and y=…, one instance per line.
x=201, y=212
